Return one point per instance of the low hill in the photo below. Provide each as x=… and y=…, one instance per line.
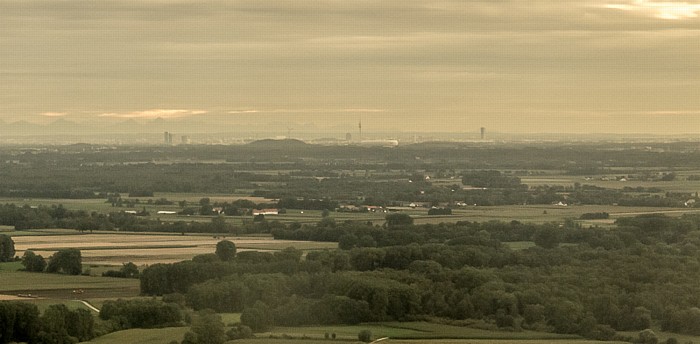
x=272, y=143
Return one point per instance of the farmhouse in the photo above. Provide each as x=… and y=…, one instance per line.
x=375, y=209
x=265, y=212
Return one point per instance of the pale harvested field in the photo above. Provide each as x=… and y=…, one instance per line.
x=4, y=297
x=146, y=249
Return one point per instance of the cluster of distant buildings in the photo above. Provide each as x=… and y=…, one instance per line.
x=349, y=139
x=168, y=139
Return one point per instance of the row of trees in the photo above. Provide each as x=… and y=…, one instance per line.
x=67, y=261
x=21, y=322
x=26, y=217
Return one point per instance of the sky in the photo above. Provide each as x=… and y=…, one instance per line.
x=530, y=66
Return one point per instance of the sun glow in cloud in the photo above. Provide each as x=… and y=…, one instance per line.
x=308, y=111
x=663, y=10
x=54, y=114
x=154, y=113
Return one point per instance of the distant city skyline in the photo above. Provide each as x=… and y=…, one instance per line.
x=579, y=66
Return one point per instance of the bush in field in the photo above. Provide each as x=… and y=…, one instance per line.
x=365, y=336
x=128, y=270
x=240, y=332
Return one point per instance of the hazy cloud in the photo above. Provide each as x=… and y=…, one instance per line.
x=309, y=111
x=416, y=65
x=155, y=113
x=672, y=10
x=54, y=114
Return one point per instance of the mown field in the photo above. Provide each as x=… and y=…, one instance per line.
x=116, y=248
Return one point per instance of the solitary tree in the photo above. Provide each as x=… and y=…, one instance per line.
x=130, y=270
x=7, y=248
x=66, y=261
x=365, y=336
x=33, y=262
x=225, y=250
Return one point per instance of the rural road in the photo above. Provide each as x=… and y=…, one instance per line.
x=655, y=212
x=88, y=305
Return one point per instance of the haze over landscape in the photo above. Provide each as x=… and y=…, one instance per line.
x=583, y=66
x=355, y=171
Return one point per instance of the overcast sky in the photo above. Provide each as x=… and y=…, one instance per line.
x=511, y=66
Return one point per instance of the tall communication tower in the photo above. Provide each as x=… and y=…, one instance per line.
x=359, y=125
x=483, y=133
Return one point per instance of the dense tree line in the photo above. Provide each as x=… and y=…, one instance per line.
x=66, y=261
x=591, y=282
x=21, y=322
x=26, y=217
x=326, y=176
x=126, y=314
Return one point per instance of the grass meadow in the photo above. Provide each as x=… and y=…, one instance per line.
x=404, y=333
x=143, y=336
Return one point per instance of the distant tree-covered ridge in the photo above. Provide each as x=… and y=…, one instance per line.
x=478, y=174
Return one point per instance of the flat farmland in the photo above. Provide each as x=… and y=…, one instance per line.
x=680, y=184
x=541, y=213
x=110, y=248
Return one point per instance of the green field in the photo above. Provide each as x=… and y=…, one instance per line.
x=58, y=286
x=143, y=336
x=406, y=333
x=410, y=330
x=663, y=336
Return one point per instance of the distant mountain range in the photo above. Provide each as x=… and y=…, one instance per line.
x=67, y=127
x=234, y=129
